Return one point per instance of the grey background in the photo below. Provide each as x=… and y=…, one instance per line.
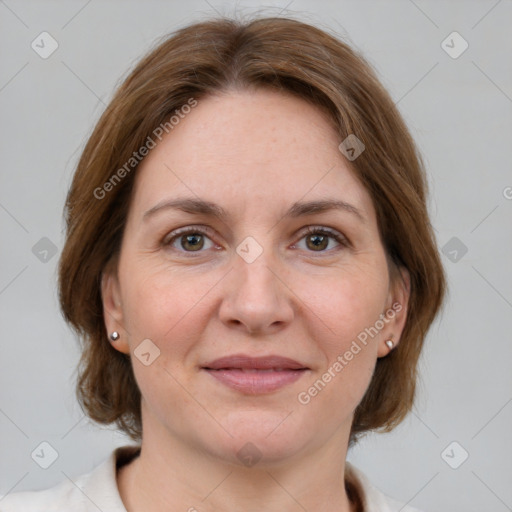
x=459, y=111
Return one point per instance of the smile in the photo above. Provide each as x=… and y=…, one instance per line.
x=255, y=375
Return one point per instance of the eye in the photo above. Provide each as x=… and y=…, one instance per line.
x=193, y=239
x=189, y=239
x=318, y=238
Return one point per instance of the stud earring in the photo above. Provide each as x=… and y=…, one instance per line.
x=114, y=336
x=389, y=344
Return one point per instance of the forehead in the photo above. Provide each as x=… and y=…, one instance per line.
x=252, y=150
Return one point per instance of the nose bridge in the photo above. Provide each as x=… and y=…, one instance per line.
x=256, y=297
x=255, y=276
x=254, y=279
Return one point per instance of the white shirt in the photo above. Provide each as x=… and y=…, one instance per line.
x=97, y=490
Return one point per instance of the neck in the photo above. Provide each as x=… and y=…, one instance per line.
x=174, y=476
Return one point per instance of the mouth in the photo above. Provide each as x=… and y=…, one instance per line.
x=255, y=375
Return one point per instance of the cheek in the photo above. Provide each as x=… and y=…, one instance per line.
x=342, y=319
x=158, y=300
x=170, y=311
x=345, y=305
x=337, y=387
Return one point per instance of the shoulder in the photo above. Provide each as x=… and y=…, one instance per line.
x=89, y=492
x=373, y=499
x=51, y=500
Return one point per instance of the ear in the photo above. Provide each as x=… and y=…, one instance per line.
x=395, y=315
x=112, y=309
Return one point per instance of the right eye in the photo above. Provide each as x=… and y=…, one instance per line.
x=188, y=240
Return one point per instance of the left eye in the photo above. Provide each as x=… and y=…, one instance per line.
x=317, y=239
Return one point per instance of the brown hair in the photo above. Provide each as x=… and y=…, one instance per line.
x=213, y=56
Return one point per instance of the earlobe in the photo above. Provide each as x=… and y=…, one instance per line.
x=113, y=312
x=386, y=345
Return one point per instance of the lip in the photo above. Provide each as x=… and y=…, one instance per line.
x=255, y=375
x=243, y=361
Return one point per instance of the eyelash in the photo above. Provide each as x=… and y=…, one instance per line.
x=310, y=230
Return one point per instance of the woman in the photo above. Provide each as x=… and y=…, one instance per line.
x=250, y=264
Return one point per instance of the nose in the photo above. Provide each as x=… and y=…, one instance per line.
x=256, y=298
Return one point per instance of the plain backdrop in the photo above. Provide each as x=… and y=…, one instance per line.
x=454, y=452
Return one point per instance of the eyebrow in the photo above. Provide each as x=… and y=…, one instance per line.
x=298, y=209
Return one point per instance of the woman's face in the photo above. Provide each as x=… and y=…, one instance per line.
x=193, y=287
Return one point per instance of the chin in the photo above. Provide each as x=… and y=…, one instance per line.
x=262, y=438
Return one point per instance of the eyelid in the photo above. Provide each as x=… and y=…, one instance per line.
x=186, y=229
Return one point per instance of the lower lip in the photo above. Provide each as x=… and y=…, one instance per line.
x=256, y=382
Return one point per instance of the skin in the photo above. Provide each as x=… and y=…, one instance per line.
x=254, y=153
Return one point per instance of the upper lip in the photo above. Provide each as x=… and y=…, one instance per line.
x=258, y=363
